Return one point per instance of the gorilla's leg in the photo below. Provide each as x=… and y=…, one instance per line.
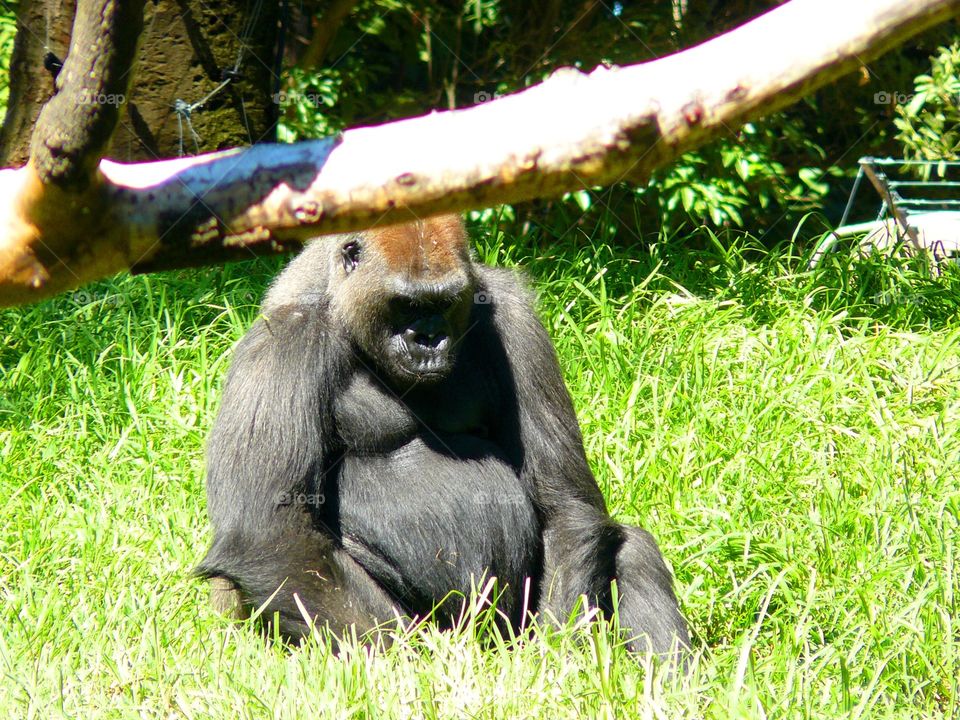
x=648, y=608
x=579, y=554
x=281, y=574
x=585, y=550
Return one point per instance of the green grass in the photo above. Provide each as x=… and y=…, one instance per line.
x=791, y=438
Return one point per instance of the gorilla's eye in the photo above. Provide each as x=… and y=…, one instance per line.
x=351, y=256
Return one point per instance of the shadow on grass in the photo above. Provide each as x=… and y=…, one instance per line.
x=97, y=329
x=902, y=293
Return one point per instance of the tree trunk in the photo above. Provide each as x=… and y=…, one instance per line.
x=186, y=51
x=42, y=26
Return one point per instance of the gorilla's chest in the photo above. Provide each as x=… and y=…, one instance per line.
x=430, y=505
x=372, y=419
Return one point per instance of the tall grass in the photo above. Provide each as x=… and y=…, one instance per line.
x=790, y=437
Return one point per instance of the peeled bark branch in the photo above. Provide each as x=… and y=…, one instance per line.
x=570, y=132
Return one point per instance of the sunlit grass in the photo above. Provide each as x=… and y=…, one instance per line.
x=789, y=437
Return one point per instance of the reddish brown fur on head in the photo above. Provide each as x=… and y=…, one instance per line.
x=423, y=249
x=402, y=294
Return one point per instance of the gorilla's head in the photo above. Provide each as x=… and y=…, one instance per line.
x=404, y=294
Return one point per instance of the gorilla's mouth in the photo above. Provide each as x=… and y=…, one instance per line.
x=425, y=347
x=427, y=356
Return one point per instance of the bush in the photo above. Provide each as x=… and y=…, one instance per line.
x=929, y=123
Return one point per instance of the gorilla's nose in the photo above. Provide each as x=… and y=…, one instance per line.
x=428, y=331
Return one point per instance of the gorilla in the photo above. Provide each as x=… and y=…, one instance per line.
x=394, y=428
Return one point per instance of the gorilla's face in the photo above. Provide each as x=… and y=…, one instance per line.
x=421, y=336
x=405, y=298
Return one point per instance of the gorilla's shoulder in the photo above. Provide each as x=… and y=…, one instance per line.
x=305, y=279
x=293, y=328
x=512, y=300
x=505, y=285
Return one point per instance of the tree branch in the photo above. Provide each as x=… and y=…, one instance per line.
x=570, y=132
x=75, y=126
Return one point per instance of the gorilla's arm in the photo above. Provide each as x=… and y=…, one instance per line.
x=579, y=538
x=584, y=549
x=266, y=460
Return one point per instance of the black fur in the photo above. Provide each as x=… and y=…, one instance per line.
x=364, y=500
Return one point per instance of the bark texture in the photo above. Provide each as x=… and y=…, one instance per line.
x=43, y=27
x=188, y=49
